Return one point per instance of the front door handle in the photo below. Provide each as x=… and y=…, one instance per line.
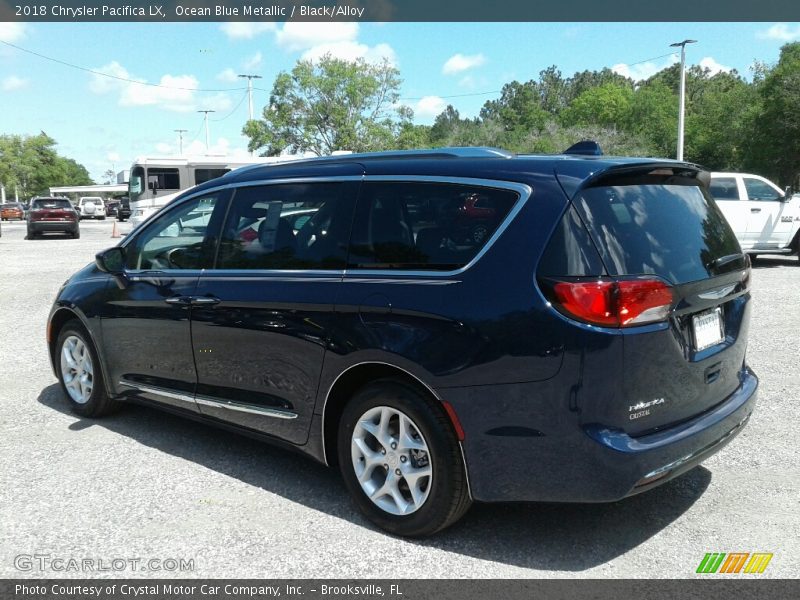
x=755, y=210
x=181, y=300
x=204, y=301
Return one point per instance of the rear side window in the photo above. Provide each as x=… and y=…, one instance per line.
x=288, y=226
x=166, y=179
x=203, y=175
x=673, y=231
x=424, y=226
x=724, y=188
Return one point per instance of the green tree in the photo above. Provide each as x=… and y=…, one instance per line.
x=774, y=147
x=719, y=122
x=654, y=117
x=31, y=165
x=607, y=105
x=329, y=105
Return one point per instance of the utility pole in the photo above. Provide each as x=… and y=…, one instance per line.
x=180, y=133
x=682, y=92
x=205, y=117
x=250, y=91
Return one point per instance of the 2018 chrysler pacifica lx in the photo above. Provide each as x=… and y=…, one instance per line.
x=443, y=326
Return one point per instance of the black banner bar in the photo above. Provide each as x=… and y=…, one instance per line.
x=400, y=10
x=718, y=587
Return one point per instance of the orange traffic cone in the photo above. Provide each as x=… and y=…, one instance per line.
x=114, y=232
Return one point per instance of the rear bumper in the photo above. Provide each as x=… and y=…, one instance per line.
x=564, y=462
x=41, y=226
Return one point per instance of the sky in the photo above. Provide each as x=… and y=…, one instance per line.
x=105, y=123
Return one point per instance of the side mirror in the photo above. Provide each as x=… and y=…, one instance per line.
x=111, y=261
x=787, y=194
x=152, y=183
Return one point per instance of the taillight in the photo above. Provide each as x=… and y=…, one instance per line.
x=614, y=303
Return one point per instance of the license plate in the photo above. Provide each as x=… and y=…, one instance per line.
x=707, y=329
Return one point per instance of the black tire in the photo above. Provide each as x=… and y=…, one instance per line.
x=76, y=234
x=31, y=234
x=98, y=403
x=478, y=233
x=448, y=498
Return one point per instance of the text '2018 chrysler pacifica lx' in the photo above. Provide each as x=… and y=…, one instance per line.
x=443, y=326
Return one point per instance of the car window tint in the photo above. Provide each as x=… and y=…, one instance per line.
x=724, y=188
x=425, y=226
x=178, y=239
x=288, y=226
x=203, y=175
x=759, y=190
x=672, y=230
x=51, y=203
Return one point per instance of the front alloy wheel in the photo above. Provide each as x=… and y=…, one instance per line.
x=77, y=369
x=79, y=372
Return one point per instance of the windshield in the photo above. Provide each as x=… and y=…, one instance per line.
x=136, y=183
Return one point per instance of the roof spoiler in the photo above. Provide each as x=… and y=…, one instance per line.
x=585, y=148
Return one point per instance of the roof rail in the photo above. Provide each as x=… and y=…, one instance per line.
x=585, y=148
x=465, y=152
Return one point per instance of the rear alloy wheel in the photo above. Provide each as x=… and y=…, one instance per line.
x=80, y=374
x=401, y=460
x=391, y=460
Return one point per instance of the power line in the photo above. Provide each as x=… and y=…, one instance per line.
x=249, y=88
x=233, y=110
x=117, y=77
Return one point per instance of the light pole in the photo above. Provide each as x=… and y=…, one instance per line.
x=682, y=92
x=180, y=133
x=205, y=117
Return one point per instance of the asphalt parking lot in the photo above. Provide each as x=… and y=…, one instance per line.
x=143, y=484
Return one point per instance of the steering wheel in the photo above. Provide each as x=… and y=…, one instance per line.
x=168, y=259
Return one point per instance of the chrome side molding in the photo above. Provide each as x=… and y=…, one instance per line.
x=253, y=409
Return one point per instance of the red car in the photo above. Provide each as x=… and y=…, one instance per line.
x=12, y=210
x=52, y=214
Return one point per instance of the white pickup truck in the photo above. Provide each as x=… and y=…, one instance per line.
x=765, y=219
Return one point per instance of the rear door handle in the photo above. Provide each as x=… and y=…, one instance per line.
x=204, y=300
x=755, y=210
x=181, y=300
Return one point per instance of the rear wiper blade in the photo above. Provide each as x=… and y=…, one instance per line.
x=725, y=260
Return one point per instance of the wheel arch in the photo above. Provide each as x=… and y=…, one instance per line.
x=60, y=317
x=356, y=376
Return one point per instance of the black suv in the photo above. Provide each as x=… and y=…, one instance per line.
x=588, y=344
x=124, y=209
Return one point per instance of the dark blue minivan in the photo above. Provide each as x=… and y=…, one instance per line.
x=443, y=325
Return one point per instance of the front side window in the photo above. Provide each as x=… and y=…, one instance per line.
x=288, y=226
x=724, y=188
x=179, y=239
x=760, y=190
x=427, y=226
